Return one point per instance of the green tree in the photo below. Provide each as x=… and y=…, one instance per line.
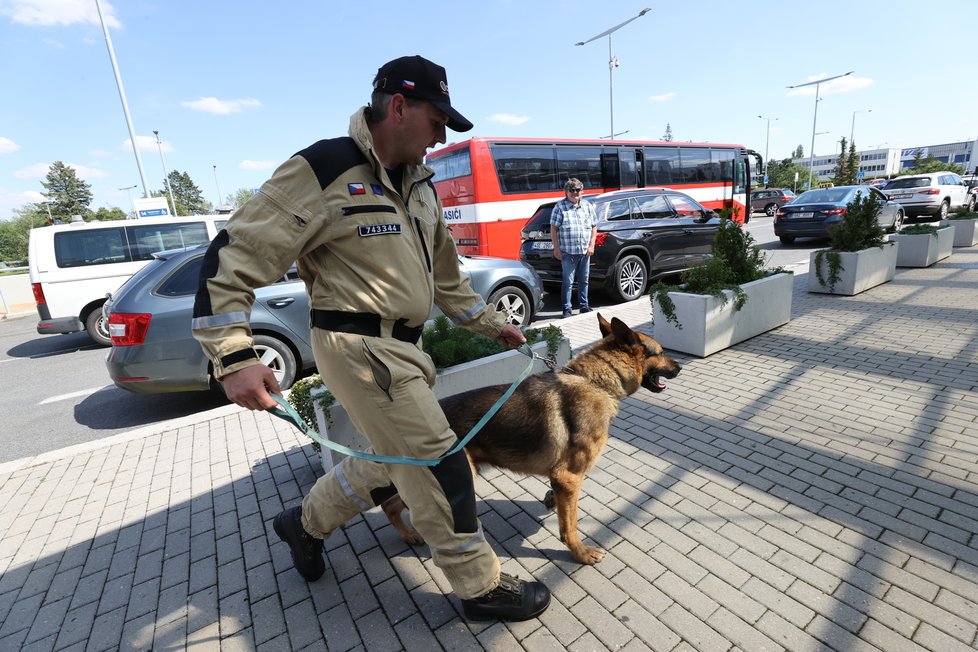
x=781, y=174
x=108, y=214
x=852, y=165
x=799, y=152
x=841, y=165
x=68, y=195
x=189, y=199
x=15, y=232
x=241, y=197
x=668, y=135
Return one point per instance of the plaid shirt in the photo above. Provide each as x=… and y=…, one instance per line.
x=574, y=225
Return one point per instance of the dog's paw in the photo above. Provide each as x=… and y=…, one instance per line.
x=588, y=555
x=550, y=501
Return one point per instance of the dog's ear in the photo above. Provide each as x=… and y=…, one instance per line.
x=604, y=326
x=623, y=333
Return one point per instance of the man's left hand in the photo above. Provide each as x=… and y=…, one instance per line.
x=511, y=336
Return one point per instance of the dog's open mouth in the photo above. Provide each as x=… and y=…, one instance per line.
x=654, y=384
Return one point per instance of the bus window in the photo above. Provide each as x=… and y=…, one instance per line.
x=661, y=165
x=609, y=169
x=722, y=164
x=523, y=169
x=628, y=167
x=585, y=163
x=695, y=164
x=454, y=165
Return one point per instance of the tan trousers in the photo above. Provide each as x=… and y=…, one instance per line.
x=385, y=385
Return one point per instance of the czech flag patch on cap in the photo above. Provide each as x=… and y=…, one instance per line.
x=408, y=84
x=356, y=189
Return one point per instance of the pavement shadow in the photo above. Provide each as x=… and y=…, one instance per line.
x=53, y=345
x=100, y=411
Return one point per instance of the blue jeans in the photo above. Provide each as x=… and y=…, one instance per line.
x=574, y=266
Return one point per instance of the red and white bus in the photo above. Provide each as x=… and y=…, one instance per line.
x=491, y=186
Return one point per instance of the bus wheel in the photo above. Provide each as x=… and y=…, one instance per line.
x=629, y=280
x=97, y=329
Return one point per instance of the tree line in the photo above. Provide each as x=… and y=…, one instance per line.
x=66, y=195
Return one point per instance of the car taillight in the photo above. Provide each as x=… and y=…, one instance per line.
x=38, y=294
x=128, y=329
x=599, y=241
x=779, y=214
x=834, y=211
x=930, y=191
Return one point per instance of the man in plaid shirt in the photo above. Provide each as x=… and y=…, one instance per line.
x=573, y=229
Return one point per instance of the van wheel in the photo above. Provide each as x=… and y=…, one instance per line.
x=512, y=300
x=277, y=356
x=97, y=329
x=629, y=280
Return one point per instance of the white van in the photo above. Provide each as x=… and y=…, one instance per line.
x=74, y=266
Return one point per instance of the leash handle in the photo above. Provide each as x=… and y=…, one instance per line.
x=286, y=412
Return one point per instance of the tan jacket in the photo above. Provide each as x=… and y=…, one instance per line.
x=360, y=247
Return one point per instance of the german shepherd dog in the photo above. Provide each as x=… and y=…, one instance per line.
x=556, y=424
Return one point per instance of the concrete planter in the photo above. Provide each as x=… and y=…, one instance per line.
x=709, y=326
x=965, y=232
x=502, y=368
x=923, y=249
x=860, y=271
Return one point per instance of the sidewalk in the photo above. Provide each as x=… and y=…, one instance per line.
x=813, y=488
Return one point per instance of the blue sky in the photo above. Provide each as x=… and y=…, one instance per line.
x=243, y=85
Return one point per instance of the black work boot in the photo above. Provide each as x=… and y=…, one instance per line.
x=307, y=550
x=513, y=599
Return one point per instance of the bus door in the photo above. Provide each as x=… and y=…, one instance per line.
x=630, y=167
x=610, y=170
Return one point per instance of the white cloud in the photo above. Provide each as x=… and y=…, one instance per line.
x=257, y=165
x=665, y=97
x=220, y=107
x=40, y=170
x=840, y=85
x=146, y=144
x=509, y=119
x=7, y=146
x=47, y=13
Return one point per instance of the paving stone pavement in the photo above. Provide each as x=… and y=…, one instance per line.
x=813, y=488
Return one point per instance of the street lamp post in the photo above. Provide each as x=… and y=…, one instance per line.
x=128, y=190
x=613, y=62
x=220, y=197
x=166, y=175
x=852, y=129
x=811, y=155
x=767, y=141
x=811, y=161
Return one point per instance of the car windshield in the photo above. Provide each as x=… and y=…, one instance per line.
x=919, y=182
x=823, y=195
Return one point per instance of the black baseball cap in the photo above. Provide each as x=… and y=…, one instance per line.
x=418, y=78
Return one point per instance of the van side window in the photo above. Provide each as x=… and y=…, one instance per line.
x=145, y=240
x=92, y=247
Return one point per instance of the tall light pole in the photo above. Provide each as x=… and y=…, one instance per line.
x=613, y=63
x=811, y=162
x=166, y=175
x=128, y=190
x=122, y=96
x=767, y=141
x=852, y=129
x=817, y=82
x=220, y=199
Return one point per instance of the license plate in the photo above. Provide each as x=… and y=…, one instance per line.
x=802, y=216
x=900, y=196
x=542, y=244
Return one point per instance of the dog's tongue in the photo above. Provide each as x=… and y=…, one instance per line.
x=658, y=383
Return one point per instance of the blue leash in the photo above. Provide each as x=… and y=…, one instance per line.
x=287, y=412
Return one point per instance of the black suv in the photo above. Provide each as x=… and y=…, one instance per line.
x=769, y=200
x=642, y=234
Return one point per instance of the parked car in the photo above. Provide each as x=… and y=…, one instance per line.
x=813, y=213
x=153, y=350
x=642, y=234
x=769, y=200
x=933, y=194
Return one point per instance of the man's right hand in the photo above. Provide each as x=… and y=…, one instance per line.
x=250, y=387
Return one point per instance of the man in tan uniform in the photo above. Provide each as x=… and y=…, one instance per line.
x=361, y=217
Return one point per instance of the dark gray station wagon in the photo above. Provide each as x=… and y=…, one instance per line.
x=642, y=235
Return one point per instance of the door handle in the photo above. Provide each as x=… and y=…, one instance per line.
x=280, y=302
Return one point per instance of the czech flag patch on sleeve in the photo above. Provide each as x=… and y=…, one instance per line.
x=356, y=188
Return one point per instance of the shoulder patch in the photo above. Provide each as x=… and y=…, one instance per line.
x=331, y=158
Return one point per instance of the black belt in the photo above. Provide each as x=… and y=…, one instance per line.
x=363, y=323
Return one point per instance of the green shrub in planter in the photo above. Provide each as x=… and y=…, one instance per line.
x=858, y=230
x=735, y=260
x=919, y=229
x=963, y=214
